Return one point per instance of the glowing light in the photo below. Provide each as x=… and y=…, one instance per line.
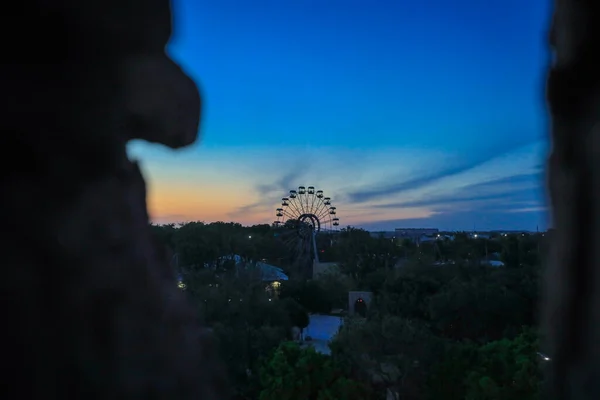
x=543, y=356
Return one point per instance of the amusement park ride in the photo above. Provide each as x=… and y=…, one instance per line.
x=304, y=214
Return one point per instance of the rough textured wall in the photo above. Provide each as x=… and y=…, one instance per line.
x=572, y=303
x=90, y=309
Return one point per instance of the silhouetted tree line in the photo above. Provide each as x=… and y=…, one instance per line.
x=442, y=324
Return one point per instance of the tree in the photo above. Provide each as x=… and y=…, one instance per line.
x=194, y=246
x=336, y=286
x=408, y=293
x=392, y=353
x=295, y=373
x=447, y=376
x=164, y=234
x=309, y=294
x=358, y=254
x=245, y=323
x=506, y=370
x=298, y=315
x=479, y=309
x=499, y=370
x=420, y=315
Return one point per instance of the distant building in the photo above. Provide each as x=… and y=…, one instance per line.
x=417, y=235
x=414, y=234
x=383, y=234
x=267, y=272
x=271, y=273
x=426, y=238
x=511, y=233
x=416, y=231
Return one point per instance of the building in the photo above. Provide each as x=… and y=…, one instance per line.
x=414, y=234
x=416, y=231
x=480, y=235
x=383, y=234
x=271, y=275
x=417, y=235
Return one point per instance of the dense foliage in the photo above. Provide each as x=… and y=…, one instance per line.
x=294, y=373
x=442, y=323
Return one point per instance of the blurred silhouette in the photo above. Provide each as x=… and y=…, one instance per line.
x=90, y=309
x=572, y=298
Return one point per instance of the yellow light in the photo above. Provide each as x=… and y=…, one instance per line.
x=181, y=285
x=276, y=284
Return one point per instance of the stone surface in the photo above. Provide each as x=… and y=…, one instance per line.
x=571, y=319
x=91, y=309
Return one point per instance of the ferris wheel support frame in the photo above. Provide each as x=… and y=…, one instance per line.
x=312, y=214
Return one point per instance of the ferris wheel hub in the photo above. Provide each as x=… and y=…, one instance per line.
x=309, y=224
x=305, y=212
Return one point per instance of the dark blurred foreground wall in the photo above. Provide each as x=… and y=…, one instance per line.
x=572, y=293
x=90, y=309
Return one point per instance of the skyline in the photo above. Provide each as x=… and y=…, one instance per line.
x=406, y=115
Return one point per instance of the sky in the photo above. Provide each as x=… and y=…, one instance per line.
x=406, y=113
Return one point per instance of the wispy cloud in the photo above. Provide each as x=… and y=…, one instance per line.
x=465, y=198
x=460, y=165
x=268, y=193
x=514, y=189
x=486, y=205
x=513, y=181
x=247, y=184
x=472, y=220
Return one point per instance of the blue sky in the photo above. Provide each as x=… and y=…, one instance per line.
x=406, y=113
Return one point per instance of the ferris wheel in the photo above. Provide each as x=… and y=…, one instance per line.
x=304, y=214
